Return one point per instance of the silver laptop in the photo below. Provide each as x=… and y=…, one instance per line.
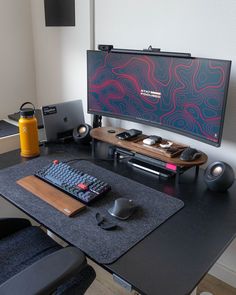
x=60, y=119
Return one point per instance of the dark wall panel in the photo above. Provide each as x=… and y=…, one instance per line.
x=59, y=12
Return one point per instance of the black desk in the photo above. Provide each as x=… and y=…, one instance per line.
x=174, y=257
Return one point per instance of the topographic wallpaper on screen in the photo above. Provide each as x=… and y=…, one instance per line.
x=184, y=94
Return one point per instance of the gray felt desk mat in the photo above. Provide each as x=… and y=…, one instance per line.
x=81, y=230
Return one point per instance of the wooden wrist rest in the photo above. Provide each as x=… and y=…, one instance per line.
x=51, y=195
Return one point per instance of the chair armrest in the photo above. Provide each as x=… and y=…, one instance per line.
x=9, y=226
x=45, y=275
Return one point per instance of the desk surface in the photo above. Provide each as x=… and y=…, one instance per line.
x=175, y=256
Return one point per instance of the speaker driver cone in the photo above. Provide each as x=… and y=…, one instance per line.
x=81, y=134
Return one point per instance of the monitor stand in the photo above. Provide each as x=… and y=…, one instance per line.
x=138, y=152
x=97, y=121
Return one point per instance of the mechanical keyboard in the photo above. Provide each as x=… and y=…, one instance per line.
x=76, y=183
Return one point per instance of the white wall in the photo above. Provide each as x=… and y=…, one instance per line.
x=203, y=28
x=60, y=56
x=17, y=83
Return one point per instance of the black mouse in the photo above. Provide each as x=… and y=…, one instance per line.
x=123, y=208
x=190, y=154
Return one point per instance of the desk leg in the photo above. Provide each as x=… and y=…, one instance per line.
x=116, y=157
x=197, y=171
x=177, y=176
x=93, y=147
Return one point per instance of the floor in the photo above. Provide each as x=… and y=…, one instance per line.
x=104, y=285
x=215, y=286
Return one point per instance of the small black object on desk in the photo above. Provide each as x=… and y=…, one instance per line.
x=190, y=154
x=111, y=131
x=104, y=223
x=128, y=134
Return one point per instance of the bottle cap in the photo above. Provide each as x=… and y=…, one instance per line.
x=27, y=112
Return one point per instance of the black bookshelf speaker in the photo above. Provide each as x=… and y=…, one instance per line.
x=219, y=176
x=81, y=134
x=59, y=12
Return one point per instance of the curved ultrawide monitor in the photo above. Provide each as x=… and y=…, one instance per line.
x=185, y=95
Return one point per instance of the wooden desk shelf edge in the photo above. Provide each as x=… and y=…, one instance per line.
x=102, y=134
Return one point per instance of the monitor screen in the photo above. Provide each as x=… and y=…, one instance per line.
x=184, y=95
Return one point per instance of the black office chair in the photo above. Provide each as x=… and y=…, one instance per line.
x=32, y=263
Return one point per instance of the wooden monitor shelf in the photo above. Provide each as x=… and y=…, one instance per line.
x=136, y=145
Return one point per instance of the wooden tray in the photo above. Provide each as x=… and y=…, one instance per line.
x=51, y=195
x=174, y=151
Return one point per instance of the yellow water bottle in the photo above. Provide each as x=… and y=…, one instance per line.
x=28, y=127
